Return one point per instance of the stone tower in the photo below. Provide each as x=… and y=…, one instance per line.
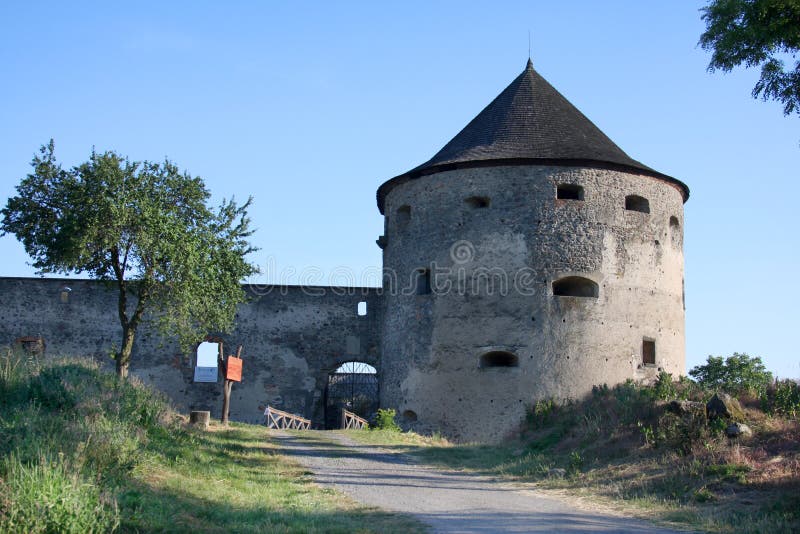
x=529, y=258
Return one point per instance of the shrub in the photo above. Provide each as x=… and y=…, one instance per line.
x=783, y=397
x=575, y=462
x=142, y=406
x=601, y=391
x=541, y=413
x=737, y=375
x=633, y=402
x=384, y=420
x=681, y=433
x=664, y=388
x=688, y=389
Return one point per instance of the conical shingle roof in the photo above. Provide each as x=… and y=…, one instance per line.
x=530, y=122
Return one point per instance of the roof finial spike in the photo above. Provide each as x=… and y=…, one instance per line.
x=529, y=45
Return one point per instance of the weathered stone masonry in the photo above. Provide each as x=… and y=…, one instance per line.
x=293, y=339
x=530, y=258
x=560, y=345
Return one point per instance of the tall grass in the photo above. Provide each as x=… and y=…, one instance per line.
x=48, y=496
x=68, y=433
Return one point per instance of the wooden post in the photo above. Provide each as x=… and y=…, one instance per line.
x=227, y=385
x=223, y=366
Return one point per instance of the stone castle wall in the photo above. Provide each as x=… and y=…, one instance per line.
x=478, y=229
x=466, y=355
x=292, y=337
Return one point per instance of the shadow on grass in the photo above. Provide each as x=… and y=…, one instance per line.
x=145, y=509
x=258, y=491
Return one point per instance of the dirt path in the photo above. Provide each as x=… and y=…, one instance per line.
x=448, y=501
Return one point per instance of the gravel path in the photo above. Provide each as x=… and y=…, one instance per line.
x=448, y=501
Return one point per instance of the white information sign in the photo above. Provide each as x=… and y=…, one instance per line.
x=205, y=374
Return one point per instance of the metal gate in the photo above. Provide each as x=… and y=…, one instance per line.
x=354, y=387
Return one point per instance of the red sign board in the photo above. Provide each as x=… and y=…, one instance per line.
x=234, y=369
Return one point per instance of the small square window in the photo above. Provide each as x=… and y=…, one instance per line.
x=569, y=192
x=637, y=203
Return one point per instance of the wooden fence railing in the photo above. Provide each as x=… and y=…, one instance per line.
x=280, y=419
x=352, y=421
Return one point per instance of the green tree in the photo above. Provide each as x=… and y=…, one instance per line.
x=736, y=374
x=145, y=228
x=757, y=33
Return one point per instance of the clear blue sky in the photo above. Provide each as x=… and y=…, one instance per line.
x=309, y=107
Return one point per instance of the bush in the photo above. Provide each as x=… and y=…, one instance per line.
x=681, y=432
x=47, y=497
x=634, y=402
x=664, y=388
x=737, y=375
x=541, y=413
x=384, y=420
x=783, y=397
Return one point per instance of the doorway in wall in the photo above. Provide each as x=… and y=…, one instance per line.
x=354, y=387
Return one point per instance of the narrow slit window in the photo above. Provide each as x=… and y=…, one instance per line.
x=498, y=358
x=637, y=203
x=675, y=231
x=648, y=352
x=575, y=286
x=569, y=192
x=477, y=202
x=424, y=282
x=362, y=308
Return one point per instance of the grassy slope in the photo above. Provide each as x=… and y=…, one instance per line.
x=78, y=453
x=622, y=448
x=233, y=480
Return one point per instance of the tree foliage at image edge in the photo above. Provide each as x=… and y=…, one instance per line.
x=757, y=33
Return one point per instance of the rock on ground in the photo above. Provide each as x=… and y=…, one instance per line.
x=725, y=406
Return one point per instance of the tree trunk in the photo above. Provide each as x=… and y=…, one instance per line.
x=124, y=355
x=226, y=400
x=226, y=395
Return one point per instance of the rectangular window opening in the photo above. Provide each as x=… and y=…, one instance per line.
x=478, y=202
x=648, y=352
x=569, y=192
x=362, y=308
